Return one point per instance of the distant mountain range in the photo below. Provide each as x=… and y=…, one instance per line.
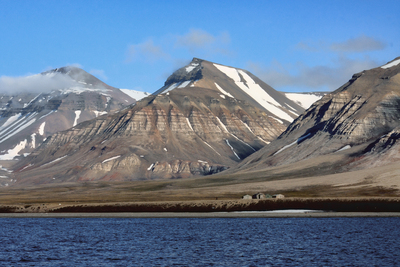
x=205, y=119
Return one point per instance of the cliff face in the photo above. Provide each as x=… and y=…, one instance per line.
x=361, y=112
x=202, y=121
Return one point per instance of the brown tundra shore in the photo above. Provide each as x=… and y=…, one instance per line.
x=354, y=205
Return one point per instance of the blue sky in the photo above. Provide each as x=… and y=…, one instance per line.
x=291, y=45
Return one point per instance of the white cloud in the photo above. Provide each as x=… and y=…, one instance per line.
x=321, y=77
x=170, y=47
x=358, y=44
x=197, y=39
x=99, y=74
x=146, y=51
x=361, y=43
x=348, y=57
x=76, y=65
x=35, y=83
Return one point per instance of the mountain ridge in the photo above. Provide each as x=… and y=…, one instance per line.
x=188, y=127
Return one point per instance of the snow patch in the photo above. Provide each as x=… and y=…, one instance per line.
x=20, y=128
x=77, y=115
x=344, y=148
x=33, y=140
x=184, y=84
x=99, y=113
x=222, y=90
x=170, y=88
x=211, y=147
x=10, y=120
x=223, y=125
x=58, y=159
x=247, y=126
x=104, y=161
x=304, y=100
x=291, y=144
x=135, y=94
x=191, y=67
x=46, y=114
x=108, y=100
x=27, y=166
x=391, y=64
x=190, y=125
x=255, y=91
x=151, y=166
x=11, y=153
x=41, y=128
x=33, y=99
x=80, y=90
x=278, y=120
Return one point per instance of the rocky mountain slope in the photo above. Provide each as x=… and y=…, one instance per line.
x=360, y=120
x=27, y=118
x=205, y=119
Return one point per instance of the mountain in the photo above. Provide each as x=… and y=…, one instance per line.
x=69, y=96
x=206, y=118
x=355, y=127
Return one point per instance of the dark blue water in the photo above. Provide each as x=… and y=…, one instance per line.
x=199, y=242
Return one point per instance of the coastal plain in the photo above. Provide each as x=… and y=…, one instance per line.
x=372, y=190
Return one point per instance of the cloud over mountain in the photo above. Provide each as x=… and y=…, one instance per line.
x=319, y=77
x=146, y=51
x=347, y=58
x=34, y=83
x=196, y=41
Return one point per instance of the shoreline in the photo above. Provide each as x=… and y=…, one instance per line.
x=201, y=215
x=293, y=207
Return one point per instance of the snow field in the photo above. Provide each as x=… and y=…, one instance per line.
x=135, y=94
x=11, y=153
x=391, y=64
x=304, y=100
x=255, y=91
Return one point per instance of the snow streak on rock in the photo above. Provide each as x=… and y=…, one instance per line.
x=58, y=159
x=227, y=142
x=104, y=161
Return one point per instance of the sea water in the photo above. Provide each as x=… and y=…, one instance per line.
x=199, y=241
